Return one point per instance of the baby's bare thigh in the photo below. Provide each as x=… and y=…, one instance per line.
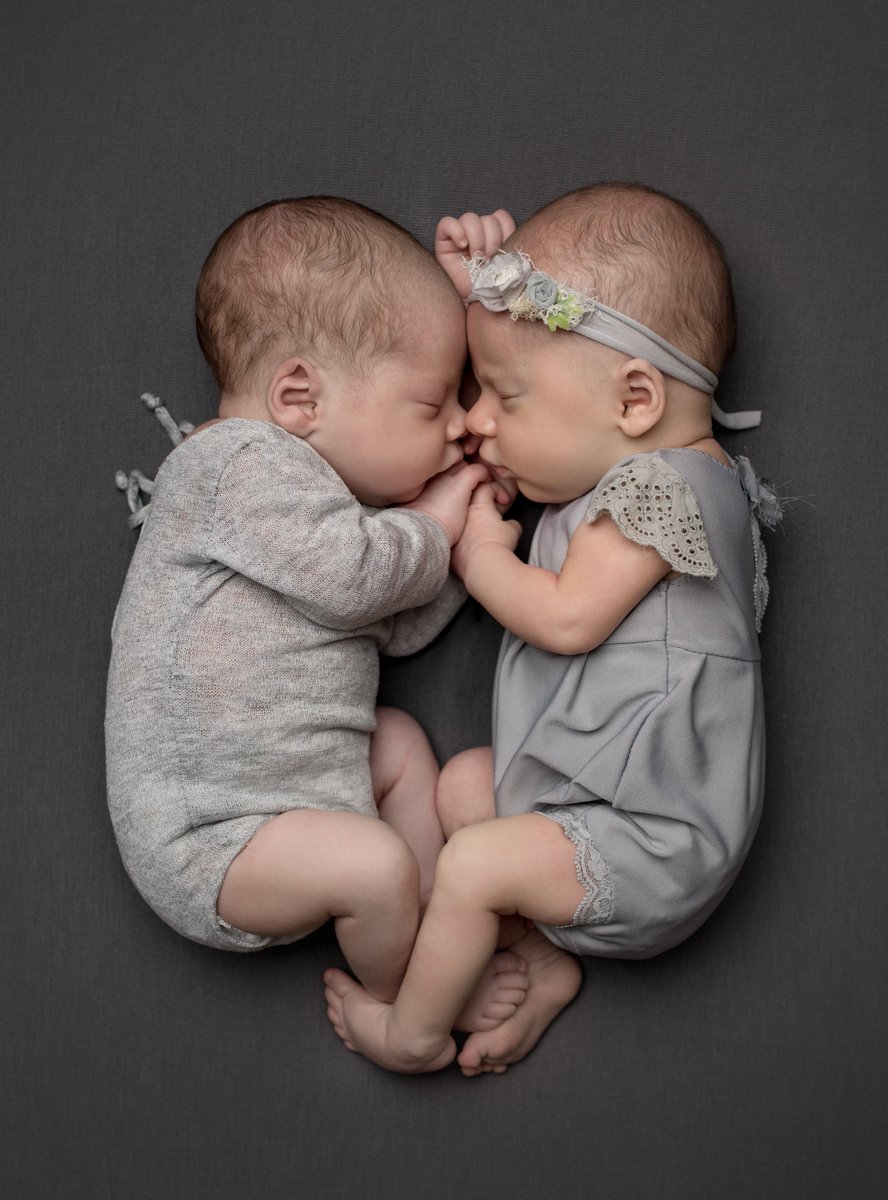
x=465, y=790
x=398, y=741
x=305, y=866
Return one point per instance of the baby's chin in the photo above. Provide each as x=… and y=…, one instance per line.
x=403, y=497
x=541, y=494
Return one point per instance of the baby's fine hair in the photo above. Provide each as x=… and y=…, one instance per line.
x=645, y=254
x=315, y=274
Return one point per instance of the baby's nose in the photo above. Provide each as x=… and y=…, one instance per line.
x=456, y=423
x=479, y=420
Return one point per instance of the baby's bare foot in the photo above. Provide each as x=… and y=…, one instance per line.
x=497, y=994
x=365, y=1025
x=555, y=979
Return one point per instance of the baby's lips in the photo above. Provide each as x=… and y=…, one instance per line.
x=497, y=470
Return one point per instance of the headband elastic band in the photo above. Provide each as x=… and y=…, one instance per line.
x=508, y=282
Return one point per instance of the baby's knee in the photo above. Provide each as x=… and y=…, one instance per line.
x=394, y=725
x=464, y=864
x=465, y=790
x=390, y=871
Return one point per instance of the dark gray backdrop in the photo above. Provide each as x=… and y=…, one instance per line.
x=748, y=1063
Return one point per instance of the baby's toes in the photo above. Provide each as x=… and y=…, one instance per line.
x=335, y=1019
x=512, y=987
x=506, y=962
x=498, y=1011
x=336, y=984
x=511, y=990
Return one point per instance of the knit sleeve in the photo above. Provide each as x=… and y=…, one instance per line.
x=283, y=518
x=653, y=505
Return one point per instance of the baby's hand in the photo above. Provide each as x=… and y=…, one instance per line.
x=462, y=237
x=504, y=493
x=484, y=527
x=446, y=497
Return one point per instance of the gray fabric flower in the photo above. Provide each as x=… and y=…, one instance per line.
x=764, y=500
x=498, y=280
x=542, y=290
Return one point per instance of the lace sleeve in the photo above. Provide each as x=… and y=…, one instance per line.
x=655, y=506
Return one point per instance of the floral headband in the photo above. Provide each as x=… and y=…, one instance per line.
x=508, y=282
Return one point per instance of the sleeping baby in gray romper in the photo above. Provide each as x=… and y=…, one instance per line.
x=649, y=750
x=245, y=663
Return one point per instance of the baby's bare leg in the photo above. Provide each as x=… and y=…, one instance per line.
x=465, y=790
x=465, y=797
x=404, y=771
x=513, y=864
x=304, y=867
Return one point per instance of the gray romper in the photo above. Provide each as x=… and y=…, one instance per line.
x=245, y=657
x=648, y=750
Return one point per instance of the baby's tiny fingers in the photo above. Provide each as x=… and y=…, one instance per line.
x=481, y=475
x=485, y=494
x=503, y=498
x=450, y=233
x=473, y=227
x=473, y=475
x=493, y=235
x=507, y=222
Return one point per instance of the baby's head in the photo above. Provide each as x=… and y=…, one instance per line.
x=558, y=407
x=332, y=322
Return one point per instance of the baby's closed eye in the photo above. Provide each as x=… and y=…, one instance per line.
x=432, y=407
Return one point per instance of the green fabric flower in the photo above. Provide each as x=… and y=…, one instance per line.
x=566, y=312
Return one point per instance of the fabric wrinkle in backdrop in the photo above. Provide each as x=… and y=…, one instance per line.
x=750, y=1061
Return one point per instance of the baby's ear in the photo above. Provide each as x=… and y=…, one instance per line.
x=293, y=394
x=643, y=394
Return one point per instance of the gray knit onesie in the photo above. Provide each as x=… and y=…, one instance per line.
x=648, y=750
x=245, y=657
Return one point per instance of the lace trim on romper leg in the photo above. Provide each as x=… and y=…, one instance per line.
x=597, y=904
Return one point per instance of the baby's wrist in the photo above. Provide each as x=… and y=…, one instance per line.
x=479, y=564
x=451, y=528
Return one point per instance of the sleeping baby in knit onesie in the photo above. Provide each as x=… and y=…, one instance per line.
x=288, y=542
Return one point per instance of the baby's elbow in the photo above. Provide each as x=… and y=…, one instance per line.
x=344, y=612
x=401, y=646
x=570, y=637
x=570, y=643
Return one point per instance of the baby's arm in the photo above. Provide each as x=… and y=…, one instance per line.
x=297, y=530
x=459, y=238
x=603, y=577
x=414, y=628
